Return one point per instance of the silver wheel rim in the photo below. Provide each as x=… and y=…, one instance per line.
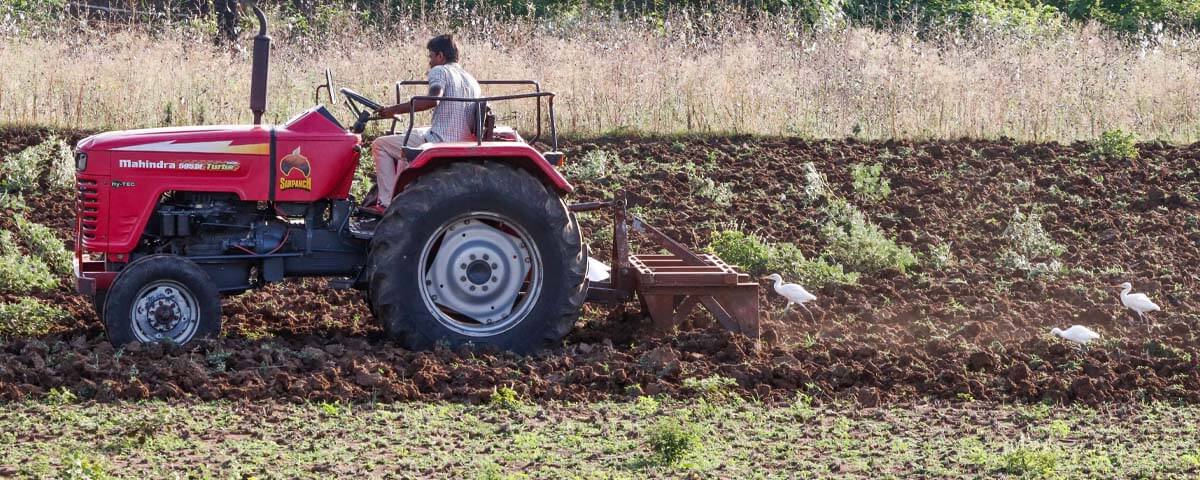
x=481, y=274
x=165, y=310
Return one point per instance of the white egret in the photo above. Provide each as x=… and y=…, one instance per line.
x=792, y=292
x=1138, y=302
x=1078, y=334
x=597, y=271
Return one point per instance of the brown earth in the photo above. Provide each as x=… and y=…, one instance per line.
x=969, y=330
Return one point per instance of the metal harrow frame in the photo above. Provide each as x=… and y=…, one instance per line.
x=671, y=285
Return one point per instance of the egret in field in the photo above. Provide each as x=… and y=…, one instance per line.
x=1138, y=302
x=1078, y=334
x=597, y=271
x=792, y=292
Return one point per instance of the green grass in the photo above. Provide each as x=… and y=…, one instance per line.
x=658, y=438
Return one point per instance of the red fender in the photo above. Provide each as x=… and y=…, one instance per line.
x=520, y=154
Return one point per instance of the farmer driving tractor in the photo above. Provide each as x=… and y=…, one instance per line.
x=451, y=120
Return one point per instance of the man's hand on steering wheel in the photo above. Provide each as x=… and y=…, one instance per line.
x=389, y=111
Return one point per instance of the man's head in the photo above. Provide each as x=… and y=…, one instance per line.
x=442, y=50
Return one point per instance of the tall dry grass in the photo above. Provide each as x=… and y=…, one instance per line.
x=708, y=74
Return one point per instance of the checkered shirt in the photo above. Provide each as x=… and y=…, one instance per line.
x=452, y=120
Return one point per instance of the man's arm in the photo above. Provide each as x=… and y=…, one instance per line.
x=417, y=105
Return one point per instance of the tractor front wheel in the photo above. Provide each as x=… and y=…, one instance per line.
x=161, y=298
x=477, y=252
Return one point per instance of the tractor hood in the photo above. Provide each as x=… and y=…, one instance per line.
x=315, y=124
x=215, y=137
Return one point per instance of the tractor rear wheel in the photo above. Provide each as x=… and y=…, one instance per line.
x=477, y=252
x=161, y=298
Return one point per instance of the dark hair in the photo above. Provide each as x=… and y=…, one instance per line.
x=444, y=44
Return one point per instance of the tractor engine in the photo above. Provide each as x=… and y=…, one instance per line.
x=205, y=224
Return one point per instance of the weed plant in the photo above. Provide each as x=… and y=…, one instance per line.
x=1115, y=144
x=51, y=159
x=869, y=182
x=672, y=439
x=860, y=245
x=1030, y=249
x=43, y=243
x=21, y=273
x=29, y=317
x=759, y=258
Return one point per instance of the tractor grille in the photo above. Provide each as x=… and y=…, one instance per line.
x=88, y=204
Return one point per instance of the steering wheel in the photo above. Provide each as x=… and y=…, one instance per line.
x=354, y=100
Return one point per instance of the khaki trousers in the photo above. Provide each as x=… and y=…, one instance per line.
x=388, y=151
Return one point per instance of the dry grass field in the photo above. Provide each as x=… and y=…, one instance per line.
x=719, y=73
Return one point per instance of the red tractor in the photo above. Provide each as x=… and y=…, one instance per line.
x=477, y=245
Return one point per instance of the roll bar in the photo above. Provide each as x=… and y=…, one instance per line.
x=481, y=104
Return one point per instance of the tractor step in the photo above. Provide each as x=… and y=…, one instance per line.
x=340, y=284
x=363, y=228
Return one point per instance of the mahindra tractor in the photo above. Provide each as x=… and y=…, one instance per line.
x=477, y=245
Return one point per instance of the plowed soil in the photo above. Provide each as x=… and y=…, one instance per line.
x=971, y=329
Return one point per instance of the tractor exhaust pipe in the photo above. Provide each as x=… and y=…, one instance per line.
x=258, y=75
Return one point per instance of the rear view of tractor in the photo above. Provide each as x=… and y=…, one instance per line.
x=476, y=247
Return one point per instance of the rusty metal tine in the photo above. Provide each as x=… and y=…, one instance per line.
x=588, y=206
x=722, y=315
x=666, y=242
x=620, y=253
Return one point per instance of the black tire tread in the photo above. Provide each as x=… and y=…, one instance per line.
x=447, y=181
x=139, y=272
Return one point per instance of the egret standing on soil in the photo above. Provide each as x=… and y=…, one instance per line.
x=1078, y=334
x=792, y=292
x=1138, y=302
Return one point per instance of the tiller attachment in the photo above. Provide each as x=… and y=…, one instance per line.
x=671, y=285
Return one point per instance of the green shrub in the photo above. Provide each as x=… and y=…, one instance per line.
x=51, y=159
x=78, y=466
x=12, y=203
x=757, y=257
x=506, y=398
x=20, y=273
x=1159, y=349
x=42, y=242
x=815, y=184
x=869, y=182
x=1029, y=247
x=364, y=176
x=714, y=387
x=1115, y=144
x=787, y=260
x=705, y=187
x=672, y=440
x=29, y=317
x=940, y=256
x=740, y=249
x=60, y=396
x=1030, y=462
x=860, y=245
x=597, y=166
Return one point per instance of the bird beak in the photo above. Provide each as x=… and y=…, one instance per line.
x=1116, y=286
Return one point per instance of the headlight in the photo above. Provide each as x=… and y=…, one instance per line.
x=80, y=162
